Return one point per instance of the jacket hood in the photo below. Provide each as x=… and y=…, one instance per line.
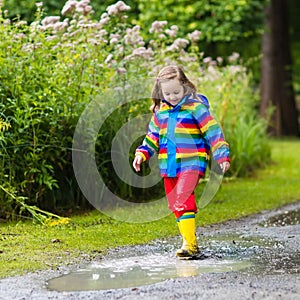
x=201, y=98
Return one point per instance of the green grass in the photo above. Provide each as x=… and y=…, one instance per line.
x=27, y=247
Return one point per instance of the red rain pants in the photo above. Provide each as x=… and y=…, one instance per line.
x=180, y=192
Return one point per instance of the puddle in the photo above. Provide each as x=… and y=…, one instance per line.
x=155, y=262
x=138, y=271
x=224, y=253
x=287, y=218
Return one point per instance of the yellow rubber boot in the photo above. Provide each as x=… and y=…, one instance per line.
x=187, y=227
x=184, y=244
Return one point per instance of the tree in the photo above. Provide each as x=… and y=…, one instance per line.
x=276, y=72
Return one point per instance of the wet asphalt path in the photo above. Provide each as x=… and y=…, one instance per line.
x=269, y=247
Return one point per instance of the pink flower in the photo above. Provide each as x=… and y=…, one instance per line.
x=83, y=7
x=50, y=20
x=219, y=60
x=157, y=26
x=88, y=9
x=195, y=35
x=20, y=36
x=114, y=38
x=133, y=37
x=141, y=52
x=234, y=57
x=108, y=58
x=236, y=69
x=161, y=36
x=207, y=60
x=116, y=8
x=173, y=31
x=69, y=7
x=51, y=37
x=104, y=19
x=178, y=44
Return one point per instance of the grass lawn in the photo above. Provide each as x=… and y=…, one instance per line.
x=27, y=247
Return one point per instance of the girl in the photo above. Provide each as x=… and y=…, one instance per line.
x=183, y=133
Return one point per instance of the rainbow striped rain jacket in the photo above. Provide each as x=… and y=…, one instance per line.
x=184, y=136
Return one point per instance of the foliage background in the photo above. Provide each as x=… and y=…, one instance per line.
x=52, y=67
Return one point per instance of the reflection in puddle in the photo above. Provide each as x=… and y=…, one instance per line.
x=137, y=271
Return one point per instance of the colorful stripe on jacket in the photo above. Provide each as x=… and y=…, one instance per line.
x=184, y=136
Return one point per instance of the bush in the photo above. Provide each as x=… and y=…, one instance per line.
x=55, y=66
x=235, y=102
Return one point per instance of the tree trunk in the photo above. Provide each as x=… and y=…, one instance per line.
x=276, y=75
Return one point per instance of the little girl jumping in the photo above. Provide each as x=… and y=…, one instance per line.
x=184, y=134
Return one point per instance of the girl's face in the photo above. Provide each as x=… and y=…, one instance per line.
x=172, y=91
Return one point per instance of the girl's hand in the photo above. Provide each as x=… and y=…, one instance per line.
x=137, y=163
x=225, y=166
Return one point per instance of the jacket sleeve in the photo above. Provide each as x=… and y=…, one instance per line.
x=212, y=133
x=150, y=143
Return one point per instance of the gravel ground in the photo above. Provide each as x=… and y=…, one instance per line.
x=271, y=246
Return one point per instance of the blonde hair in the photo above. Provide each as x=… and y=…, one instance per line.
x=169, y=73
